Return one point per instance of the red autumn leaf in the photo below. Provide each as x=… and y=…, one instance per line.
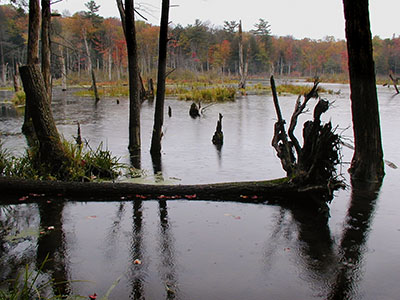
x=94, y=296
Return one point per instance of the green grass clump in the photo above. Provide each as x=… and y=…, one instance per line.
x=19, y=98
x=217, y=94
x=85, y=164
x=88, y=164
x=298, y=89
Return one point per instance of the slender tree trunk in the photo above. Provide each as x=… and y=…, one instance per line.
x=128, y=22
x=16, y=78
x=109, y=66
x=162, y=67
x=3, y=66
x=90, y=66
x=46, y=52
x=367, y=163
x=242, y=64
x=63, y=71
x=32, y=58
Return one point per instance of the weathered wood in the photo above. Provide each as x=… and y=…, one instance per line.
x=46, y=49
x=194, y=111
x=242, y=64
x=218, y=137
x=161, y=76
x=273, y=191
x=299, y=109
x=128, y=21
x=315, y=162
x=280, y=139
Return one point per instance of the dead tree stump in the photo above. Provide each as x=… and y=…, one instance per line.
x=315, y=161
x=194, y=111
x=218, y=137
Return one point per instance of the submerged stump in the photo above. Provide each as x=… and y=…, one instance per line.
x=218, y=137
x=194, y=111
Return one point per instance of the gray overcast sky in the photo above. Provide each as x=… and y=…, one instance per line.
x=300, y=18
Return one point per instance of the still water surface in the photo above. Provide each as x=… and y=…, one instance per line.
x=209, y=250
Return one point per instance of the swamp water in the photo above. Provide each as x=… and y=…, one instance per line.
x=208, y=250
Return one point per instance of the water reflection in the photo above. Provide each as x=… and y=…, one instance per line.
x=167, y=252
x=353, y=243
x=50, y=245
x=137, y=272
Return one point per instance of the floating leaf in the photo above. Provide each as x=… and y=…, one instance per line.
x=23, y=198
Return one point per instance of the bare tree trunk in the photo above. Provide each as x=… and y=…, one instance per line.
x=63, y=70
x=367, y=163
x=242, y=64
x=46, y=54
x=3, y=66
x=51, y=150
x=109, y=66
x=17, y=86
x=32, y=58
x=90, y=66
x=128, y=22
x=162, y=67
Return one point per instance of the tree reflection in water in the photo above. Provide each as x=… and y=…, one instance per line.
x=51, y=245
x=137, y=272
x=167, y=267
x=333, y=267
x=353, y=243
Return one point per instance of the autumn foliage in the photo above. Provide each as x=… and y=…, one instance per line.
x=197, y=47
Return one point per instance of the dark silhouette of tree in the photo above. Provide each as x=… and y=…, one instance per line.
x=128, y=21
x=367, y=161
x=32, y=58
x=162, y=67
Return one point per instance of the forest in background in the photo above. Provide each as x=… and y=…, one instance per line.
x=199, y=47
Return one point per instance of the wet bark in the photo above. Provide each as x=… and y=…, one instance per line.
x=51, y=151
x=32, y=58
x=194, y=110
x=315, y=161
x=218, y=137
x=162, y=68
x=273, y=191
x=46, y=52
x=128, y=22
x=367, y=162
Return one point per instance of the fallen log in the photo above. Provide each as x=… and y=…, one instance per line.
x=17, y=191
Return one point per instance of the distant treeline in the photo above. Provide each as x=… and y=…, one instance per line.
x=198, y=47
